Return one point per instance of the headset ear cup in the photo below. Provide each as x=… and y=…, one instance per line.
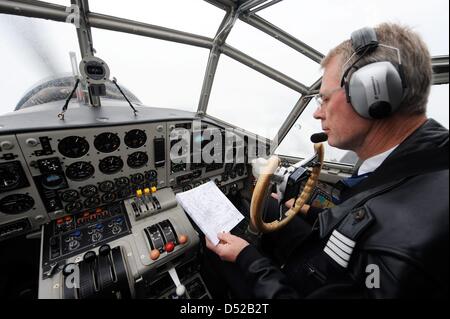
x=376, y=90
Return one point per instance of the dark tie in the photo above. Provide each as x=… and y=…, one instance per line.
x=354, y=180
x=345, y=185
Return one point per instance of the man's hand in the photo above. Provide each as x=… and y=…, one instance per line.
x=229, y=246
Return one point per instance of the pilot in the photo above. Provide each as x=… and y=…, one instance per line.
x=388, y=236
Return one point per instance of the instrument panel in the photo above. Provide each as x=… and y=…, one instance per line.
x=49, y=174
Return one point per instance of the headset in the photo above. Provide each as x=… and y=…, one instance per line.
x=375, y=90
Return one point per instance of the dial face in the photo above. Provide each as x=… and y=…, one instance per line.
x=74, y=206
x=110, y=165
x=106, y=186
x=151, y=175
x=135, y=138
x=108, y=197
x=107, y=142
x=73, y=146
x=89, y=190
x=53, y=181
x=9, y=178
x=80, y=171
x=70, y=195
x=16, y=204
x=137, y=178
x=122, y=182
x=137, y=159
x=91, y=202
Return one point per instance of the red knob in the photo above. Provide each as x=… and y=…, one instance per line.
x=170, y=246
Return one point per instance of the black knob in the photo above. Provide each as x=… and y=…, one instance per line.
x=104, y=250
x=69, y=269
x=90, y=256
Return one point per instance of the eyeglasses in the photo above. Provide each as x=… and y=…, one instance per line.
x=322, y=98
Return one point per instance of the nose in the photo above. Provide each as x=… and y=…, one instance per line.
x=319, y=114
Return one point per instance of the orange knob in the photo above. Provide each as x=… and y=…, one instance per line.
x=154, y=254
x=182, y=239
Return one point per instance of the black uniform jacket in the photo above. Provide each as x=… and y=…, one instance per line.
x=389, y=238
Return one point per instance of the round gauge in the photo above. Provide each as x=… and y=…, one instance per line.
x=92, y=202
x=70, y=195
x=9, y=178
x=110, y=165
x=106, y=186
x=53, y=181
x=137, y=178
x=151, y=175
x=73, y=146
x=137, y=159
x=16, y=204
x=122, y=182
x=107, y=142
x=89, y=190
x=73, y=207
x=135, y=138
x=108, y=197
x=80, y=171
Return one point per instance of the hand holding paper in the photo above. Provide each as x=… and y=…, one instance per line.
x=210, y=209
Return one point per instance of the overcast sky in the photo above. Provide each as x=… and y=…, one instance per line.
x=164, y=74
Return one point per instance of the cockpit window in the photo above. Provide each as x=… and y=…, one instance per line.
x=32, y=50
x=193, y=16
x=160, y=73
x=273, y=53
x=334, y=20
x=248, y=99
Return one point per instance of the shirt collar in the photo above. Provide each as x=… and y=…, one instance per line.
x=372, y=163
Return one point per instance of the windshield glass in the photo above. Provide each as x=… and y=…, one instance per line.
x=33, y=51
x=193, y=16
x=248, y=99
x=160, y=73
x=334, y=20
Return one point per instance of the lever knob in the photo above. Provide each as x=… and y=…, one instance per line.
x=104, y=250
x=89, y=257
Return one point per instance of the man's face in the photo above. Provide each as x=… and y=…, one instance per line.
x=344, y=127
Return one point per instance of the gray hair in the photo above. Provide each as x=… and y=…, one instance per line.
x=415, y=57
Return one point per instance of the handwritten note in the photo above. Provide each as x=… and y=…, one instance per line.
x=210, y=209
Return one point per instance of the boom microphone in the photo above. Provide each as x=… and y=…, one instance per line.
x=319, y=137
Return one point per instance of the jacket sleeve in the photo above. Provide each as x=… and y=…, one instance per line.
x=266, y=279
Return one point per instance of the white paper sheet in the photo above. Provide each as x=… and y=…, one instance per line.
x=210, y=209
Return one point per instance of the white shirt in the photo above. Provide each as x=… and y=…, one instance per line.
x=372, y=163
